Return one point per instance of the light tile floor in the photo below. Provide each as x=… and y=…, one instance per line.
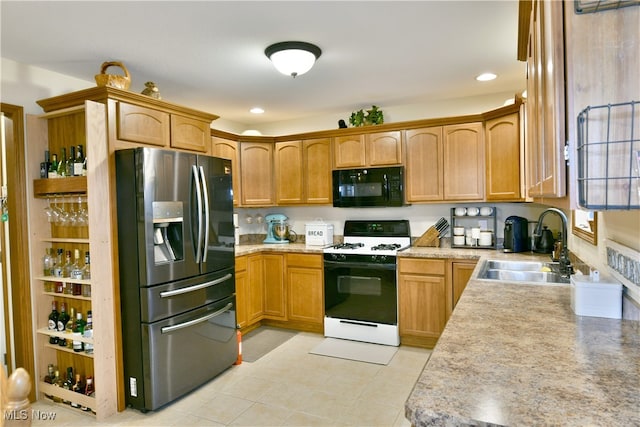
x=287, y=387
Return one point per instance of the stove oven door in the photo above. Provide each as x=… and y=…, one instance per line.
x=359, y=291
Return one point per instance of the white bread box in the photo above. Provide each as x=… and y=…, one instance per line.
x=318, y=234
x=596, y=295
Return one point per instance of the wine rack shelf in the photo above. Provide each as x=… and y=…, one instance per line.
x=66, y=350
x=47, y=187
x=78, y=297
x=63, y=280
x=64, y=335
x=71, y=396
x=65, y=240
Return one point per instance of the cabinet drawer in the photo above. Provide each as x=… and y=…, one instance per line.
x=422, y=266
x=143, y=125
x=190, y=134
x=304, y=260
x=241, y=263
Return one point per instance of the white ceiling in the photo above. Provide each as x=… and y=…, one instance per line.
x=209, y=55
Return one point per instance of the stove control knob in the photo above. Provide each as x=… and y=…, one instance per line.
x=382, y=258
x=338, y=257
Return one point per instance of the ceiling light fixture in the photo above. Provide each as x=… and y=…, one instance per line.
x=485, y=77
x=293, y=58
x=256, y=110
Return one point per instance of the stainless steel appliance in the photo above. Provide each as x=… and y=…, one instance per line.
x=176, y=262
x=368, y=187
x=360, y=286
x=516, y=234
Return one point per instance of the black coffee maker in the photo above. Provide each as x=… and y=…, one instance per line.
x=516, y=234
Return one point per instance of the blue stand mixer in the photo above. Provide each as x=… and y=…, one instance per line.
x=277, y=229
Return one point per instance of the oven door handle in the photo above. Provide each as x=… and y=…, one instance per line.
x=371, y=265
x=168, y=329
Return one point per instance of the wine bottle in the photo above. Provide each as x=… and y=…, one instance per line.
x=63, y=317
x=53, y=167
x=57, y=264
x=71, y=324
x=53, y=321
x=68, y=383
x=88, y=333
x=58, y=382
x=68, y=265
x=78, y=162
x=50, y=378
x=78, y=387
x=89, y=390
x=47, y=263
x=62, y=166
x=78, y=331
x=44, y=166
x=69, y=163
x=86, y=270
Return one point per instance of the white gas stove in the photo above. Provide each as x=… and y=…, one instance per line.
x=361, y=296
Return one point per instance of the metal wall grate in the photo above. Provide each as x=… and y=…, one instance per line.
x=608, y=150
x=593, y=6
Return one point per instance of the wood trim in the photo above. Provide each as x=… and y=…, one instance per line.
x=19, y=245
x=524, y=19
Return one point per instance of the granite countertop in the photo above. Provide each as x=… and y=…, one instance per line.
x=516, y=354
x=277, y=247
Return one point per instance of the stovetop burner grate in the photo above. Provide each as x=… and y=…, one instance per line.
x=386, y=247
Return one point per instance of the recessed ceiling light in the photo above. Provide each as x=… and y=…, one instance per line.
x=256, y=110
x=485, y=77
x=252, y=132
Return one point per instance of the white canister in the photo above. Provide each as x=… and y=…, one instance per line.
x=486, y=238
x=458, y=231
x=458, y=240
x=318, y=234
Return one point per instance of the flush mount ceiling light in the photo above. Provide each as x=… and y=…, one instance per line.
x=485, y=77
x=293, y=58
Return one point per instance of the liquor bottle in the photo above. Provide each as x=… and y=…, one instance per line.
x=86, y=270
x=62, y=167
x=58, y=382
x=69, y=163
x=44, y=166
x=53, y=321
x=84, y=165
x=78, y=387
x=90, y=391
x=88, y=333
x=63, y=317
x=78, y=331
x=57, y=264
x=76, y=270
x=78, y=162
x=68, y=265
x=50, y=378
x=70, y=326
x=53, y=167
x=68, y=383
x=47, y=263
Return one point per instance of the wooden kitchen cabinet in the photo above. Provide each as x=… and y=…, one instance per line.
x=254, y=293
x=502, y=139
x=305, y=289
x=424, y=165
x=545, y=110
x=424, y=300
x=463, y=161
x=190, y=134
x=460, y=274
x=229, y=149
x=275, y=301
x=365, y=150
x=144, y=125
x=242, y=291
x=303, y=172
x=256, y=171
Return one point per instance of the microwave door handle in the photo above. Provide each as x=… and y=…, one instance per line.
x=196, y=180
x=172, y=328
x=205, y=196
x=387, y=190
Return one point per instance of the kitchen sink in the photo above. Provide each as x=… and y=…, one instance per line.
x=532, y=272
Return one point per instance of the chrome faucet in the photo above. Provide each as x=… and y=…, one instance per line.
x=566, y=268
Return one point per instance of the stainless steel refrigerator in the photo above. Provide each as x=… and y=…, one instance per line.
x=176, y=262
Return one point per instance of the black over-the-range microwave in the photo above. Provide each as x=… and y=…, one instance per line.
x=368, y=187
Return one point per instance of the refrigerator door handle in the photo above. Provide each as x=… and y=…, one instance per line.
x=196, y=179
x=172, y=328
x=205, y=194
x=180, y=291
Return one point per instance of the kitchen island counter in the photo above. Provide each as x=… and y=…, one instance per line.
x=515, y=354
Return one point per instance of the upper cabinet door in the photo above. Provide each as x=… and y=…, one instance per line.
x=464, y=162
x=228, y=149
x=141, y=124
x=502, y=138
x=190, y=134
x=289, y=172
x=424, y=182
x=349, y=151
x=384, y=148
x=317, y=171
x=256, y=163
